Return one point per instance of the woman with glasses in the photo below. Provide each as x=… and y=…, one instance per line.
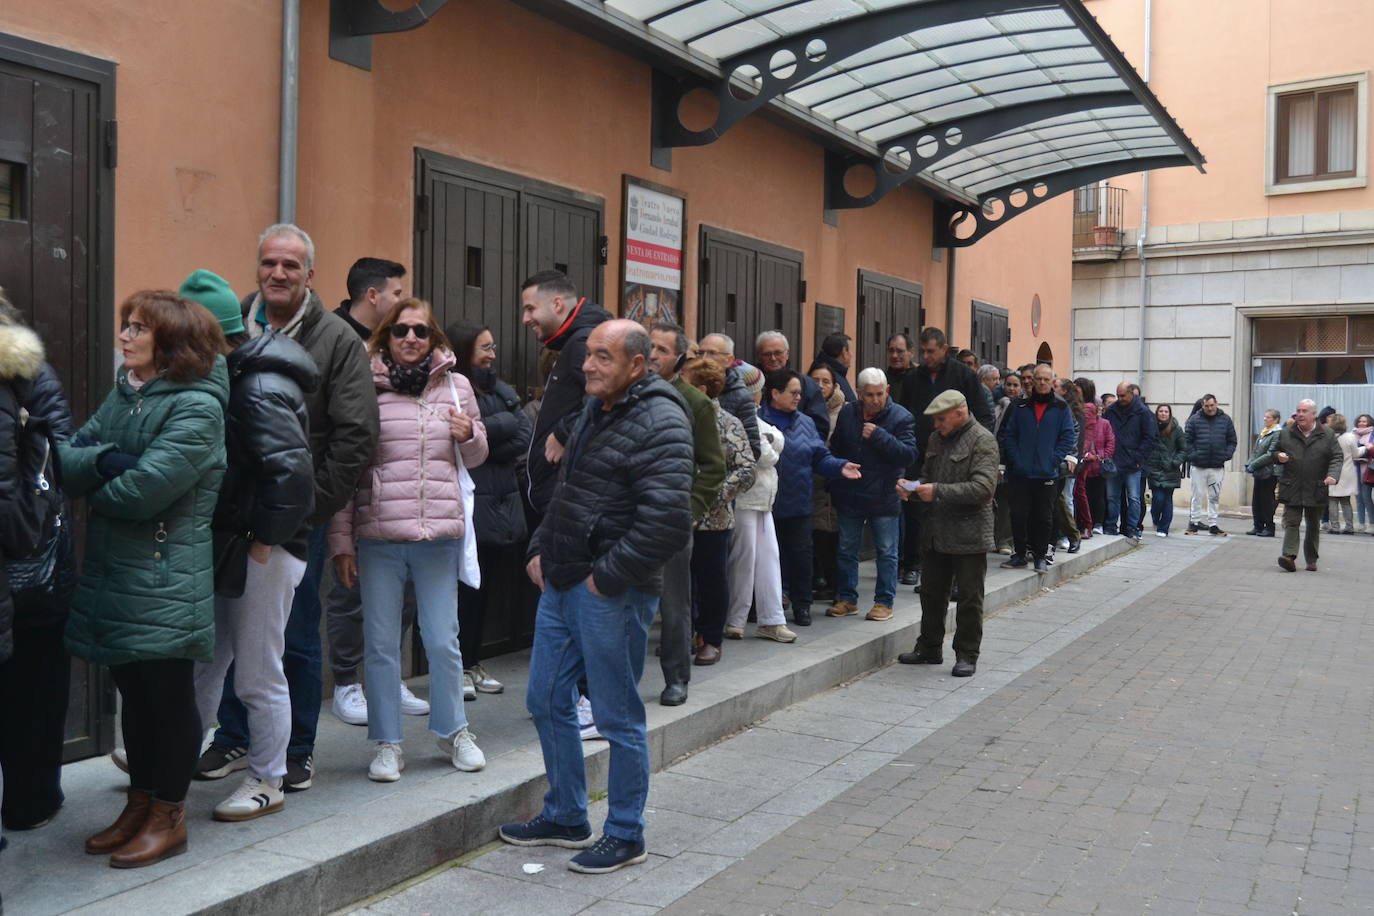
x=803, y=454
x=150, y=464
x=499, y=514
x=406, y=521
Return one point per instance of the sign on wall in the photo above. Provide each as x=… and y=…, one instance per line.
x=652, y=252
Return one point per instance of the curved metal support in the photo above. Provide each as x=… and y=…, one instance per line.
x=740, y=93
x=930, y=146
x=352, y=23
x=1055, y=183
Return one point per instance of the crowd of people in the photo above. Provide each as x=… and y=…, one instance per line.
x=263, y=462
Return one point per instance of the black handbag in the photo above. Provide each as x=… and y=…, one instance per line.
x=231, y=564
x=37, y=575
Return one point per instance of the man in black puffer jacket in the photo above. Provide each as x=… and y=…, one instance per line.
x=550, y=307
x=620, y=510
x=261, y=539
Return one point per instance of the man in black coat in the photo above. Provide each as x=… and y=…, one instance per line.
x=771, y=352
x=1311, y=461
x=1211, y=439
x=620, y=509
x=551, y=308
x=734, y=398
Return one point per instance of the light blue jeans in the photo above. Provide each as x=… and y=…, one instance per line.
x=383, y=567
x=847, y=556
x=603, y=638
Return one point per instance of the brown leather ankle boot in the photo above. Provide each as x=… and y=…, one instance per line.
x=163, y=835
x=129, y=822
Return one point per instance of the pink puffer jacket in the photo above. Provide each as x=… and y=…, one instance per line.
x=411, y=492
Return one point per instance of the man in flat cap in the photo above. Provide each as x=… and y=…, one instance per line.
x=958, y=478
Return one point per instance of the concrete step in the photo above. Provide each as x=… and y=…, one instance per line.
x=348, y=838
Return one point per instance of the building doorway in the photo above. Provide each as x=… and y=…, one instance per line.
x=887, y=306
x=747, y=287
x=478, y=233
x=1044, y=355
x=57, y=260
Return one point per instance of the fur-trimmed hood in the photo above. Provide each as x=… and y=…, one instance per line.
x=21, y=352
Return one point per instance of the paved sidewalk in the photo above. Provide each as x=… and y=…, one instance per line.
x=1185, y=729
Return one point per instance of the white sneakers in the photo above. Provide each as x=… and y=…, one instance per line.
x=481, y=681
x=388, y=764
x=463, y=750
x=586, y=725
x=350, y=704
x=253, y=798
x=411, y=705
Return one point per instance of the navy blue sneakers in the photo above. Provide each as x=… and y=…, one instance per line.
x=609, y=854
x=542, y=832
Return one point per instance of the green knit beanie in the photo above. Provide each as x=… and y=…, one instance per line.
x=212, y=291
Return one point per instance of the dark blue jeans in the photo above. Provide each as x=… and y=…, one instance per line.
x=301, y=664
x=1162, y=507
x=602, y=638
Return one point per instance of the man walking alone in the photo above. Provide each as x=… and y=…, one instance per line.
x=1311, y=461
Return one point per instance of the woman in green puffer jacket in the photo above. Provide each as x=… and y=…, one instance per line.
x=149, y=464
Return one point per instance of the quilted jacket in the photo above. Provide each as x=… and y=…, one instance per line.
x=804, y=454
x=622, y=506
x=411, y=492
x=146, y=589
x=963, y=467
x=882, y=458
x=739, y=471
x=759, y=497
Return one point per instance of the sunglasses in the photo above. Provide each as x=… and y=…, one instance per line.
x=399, y=331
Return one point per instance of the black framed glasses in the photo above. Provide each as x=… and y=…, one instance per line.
x=134, y=328
x=400, y=331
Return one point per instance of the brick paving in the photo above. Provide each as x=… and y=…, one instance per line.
x=1206, y=750
x=1185, y=729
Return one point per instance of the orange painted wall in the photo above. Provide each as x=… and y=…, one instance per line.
x=490, y=82
x=1212, y=64
x=197, y=100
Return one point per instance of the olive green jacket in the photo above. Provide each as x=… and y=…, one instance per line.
x=963, y=468
x=146, y=589
x=1311, y=459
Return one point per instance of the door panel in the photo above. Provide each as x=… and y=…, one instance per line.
x=748, y=287
x=50, y=247
x=478, y=233
x=887, y=306
x=989, y=333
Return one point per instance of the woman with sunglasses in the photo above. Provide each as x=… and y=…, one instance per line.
x=406, y=521
x=150, y=463
x=499, y=514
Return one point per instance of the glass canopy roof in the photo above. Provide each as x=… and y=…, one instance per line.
x=969, y=97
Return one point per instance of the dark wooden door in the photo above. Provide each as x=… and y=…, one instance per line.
x=747, y=287
x=887, y=306
x=52, y=250
x=478, y=233
x=989, y=333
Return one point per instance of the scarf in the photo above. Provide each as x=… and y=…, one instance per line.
x=1266, y=430
x=408, y=380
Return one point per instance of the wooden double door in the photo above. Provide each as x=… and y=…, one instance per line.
x=57, y=157
x=887, y=306
x=748, y=286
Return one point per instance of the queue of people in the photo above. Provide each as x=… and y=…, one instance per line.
x=263, y=462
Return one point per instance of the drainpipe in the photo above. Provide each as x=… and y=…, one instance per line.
x=1144, y=212
x=949, y=292
x=290, y=107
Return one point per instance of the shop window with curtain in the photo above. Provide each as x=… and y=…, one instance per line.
x=1318, y=134
x=1326, y=350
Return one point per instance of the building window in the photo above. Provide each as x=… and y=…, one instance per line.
x=1321, y=350
x=1318, y=135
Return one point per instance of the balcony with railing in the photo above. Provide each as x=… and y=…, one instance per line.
x=1097, y=216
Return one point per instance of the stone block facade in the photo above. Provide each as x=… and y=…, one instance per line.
x=1205, y=282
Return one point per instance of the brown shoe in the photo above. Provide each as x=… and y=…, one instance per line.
x=1287, y=563
x=842, y=609
x=707, y=655
x=129, y=822
x=879, y=612
x=163, y=836
x=1311, y=567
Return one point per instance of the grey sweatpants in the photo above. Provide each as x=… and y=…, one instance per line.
x=250, y=632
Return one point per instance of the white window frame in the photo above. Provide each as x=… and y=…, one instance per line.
x=1271, y=119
